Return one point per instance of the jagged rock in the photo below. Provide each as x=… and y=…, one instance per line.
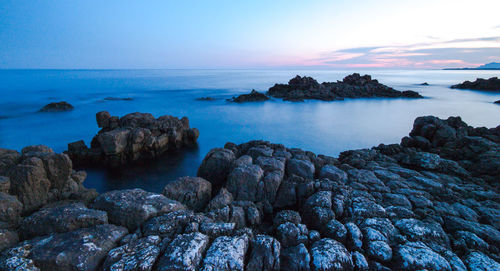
x=10, y=211
x=478, y=261
x=194, y=192
x=140, y=254
x=243, y=182
x=254, y=96
x=295, y=258
x=7, y=238
x=222, y=199
x=328, y=254
x=289, y=234
x=171, y=224
x=60, y=218
x=301, y=168
x=480, y=84
x=216, y=166
x=82, y=249
x=265, y=254
x=417, y=256
x=217, y=229
x=352, y=86
x=130, y=208
x=4, y=184
x=333, y=173
x=185, y=252
x=57, y=107
x=226, y=253
x=133, y=137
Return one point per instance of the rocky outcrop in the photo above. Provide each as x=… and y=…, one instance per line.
x=497, y=102
x=254, y=96
x=38, y=176
x=480, y=84
x=133, y=137
x=57, y=107
x=427, y=203
x=352, y=86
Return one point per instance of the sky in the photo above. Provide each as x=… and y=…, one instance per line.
x=121, y=34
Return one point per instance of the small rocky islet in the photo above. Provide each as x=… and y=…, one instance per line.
x=492, y=84
x=131, y=138
x=57, y=107
x=307, y=88
x=431, y=202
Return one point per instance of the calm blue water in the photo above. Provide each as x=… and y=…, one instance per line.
x=322, y=127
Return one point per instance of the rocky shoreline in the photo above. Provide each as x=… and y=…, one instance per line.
x=492, y=84
x=131, y=138
x=431, y=202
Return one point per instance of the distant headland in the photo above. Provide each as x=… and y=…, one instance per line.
x=489, y=66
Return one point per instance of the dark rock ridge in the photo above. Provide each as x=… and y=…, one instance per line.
x=480, y=84
x=133, y=137
x=57, y=107
x=206, y=99
x=254, y=96
x=431, y=202
x=118, y=99
x=497, y=102
x=352, y=86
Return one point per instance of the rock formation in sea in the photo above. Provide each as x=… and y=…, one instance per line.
x=133, y=137
x=497, y=102
x=480, y=84
x=254, y=96
x=352, y=86
x=431, y=202
x=57, y=107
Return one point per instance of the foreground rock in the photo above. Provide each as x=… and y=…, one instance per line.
x=82, y=249
x=133, y=137
x=57, y=107
x=352, y=86
x=254, y=96
x=429, y=203
x=480, y=84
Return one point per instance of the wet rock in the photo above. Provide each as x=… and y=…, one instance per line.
x=216, y=166
x=265, y=254
x=194, y=192
x=82, y=249
x=328, y=254
x=140, y=254
x=130, y=208
x=185, y=252
x=226, y=253
x=57, y=107
x=60, y=218
x=295, y=258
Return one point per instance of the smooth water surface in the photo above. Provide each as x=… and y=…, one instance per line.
x=322, y=127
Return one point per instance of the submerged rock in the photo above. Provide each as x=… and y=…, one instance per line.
x=57, y=107
x=133, y=137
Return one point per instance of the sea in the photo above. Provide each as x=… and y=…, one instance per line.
x=319, y=126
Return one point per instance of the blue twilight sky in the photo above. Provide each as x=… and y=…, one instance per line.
x=239, y=34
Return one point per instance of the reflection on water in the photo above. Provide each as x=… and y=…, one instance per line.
x=322, y=127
